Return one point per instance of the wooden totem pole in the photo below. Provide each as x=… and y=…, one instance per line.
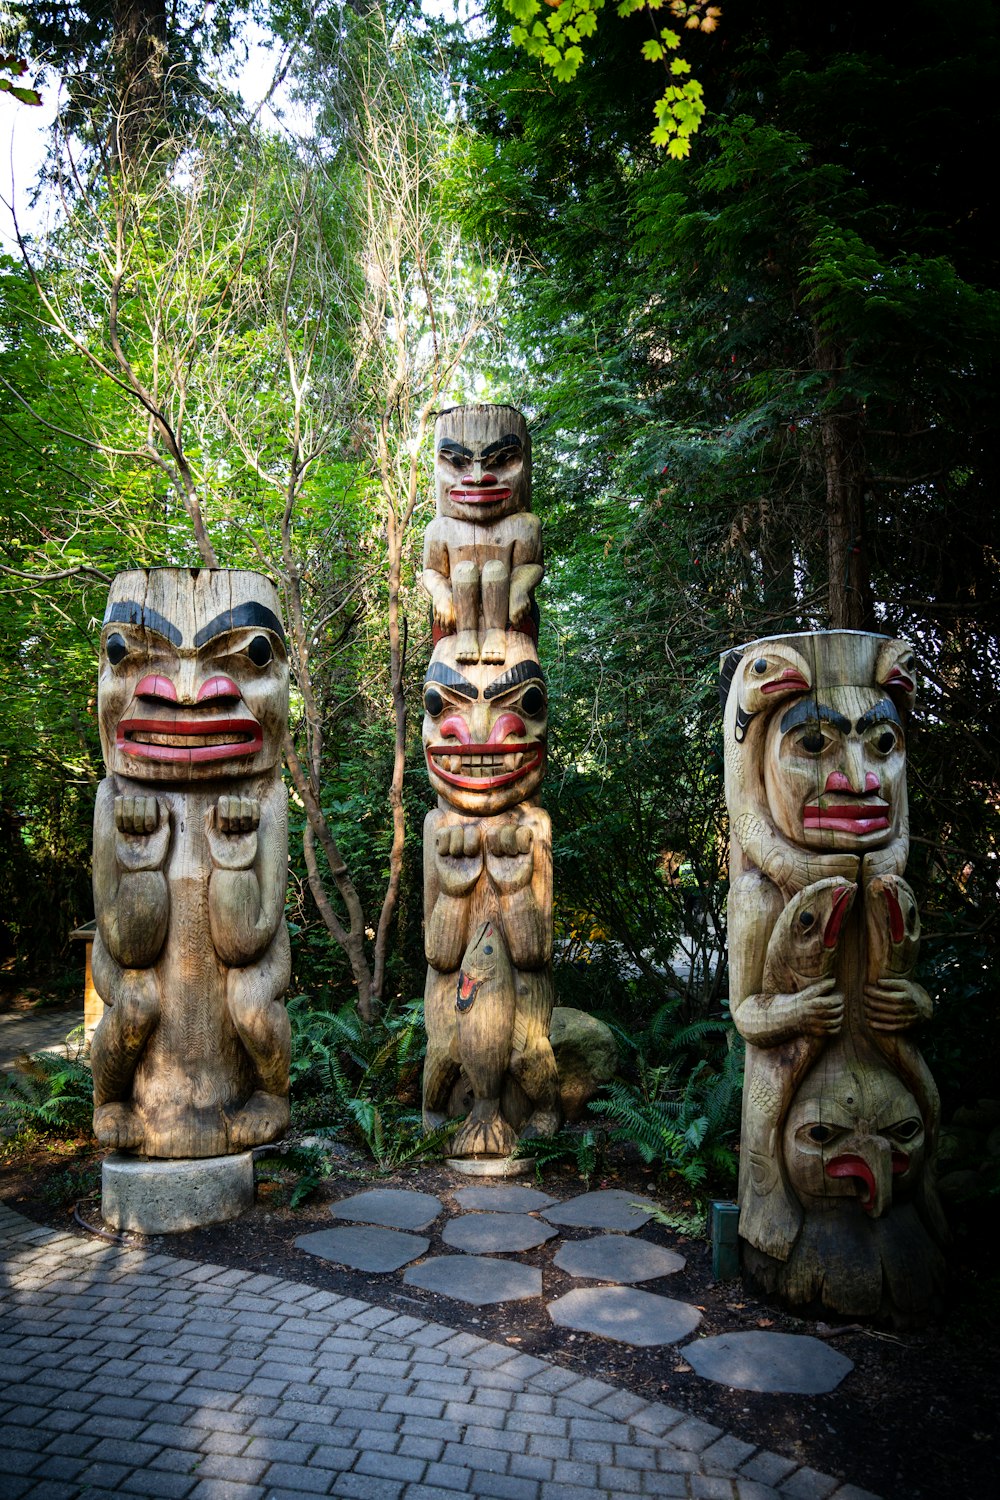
x=191, y=955
x=840, y=1114
x=488, y=844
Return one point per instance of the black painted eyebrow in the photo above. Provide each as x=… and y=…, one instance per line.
x=510, y=441
x=882, y=713
x=131, y=612
x=808, y=712
x=525, y=671
x=239, y=618
x=439, y=671
x=453, y=449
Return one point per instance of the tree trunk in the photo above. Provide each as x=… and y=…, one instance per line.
x=841, y=426
x=139, y=50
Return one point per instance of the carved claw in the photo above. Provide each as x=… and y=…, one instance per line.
x=137, y=815
x=458, y=841
x=485, y=1132
x=263, y=1118
x=118, y=1127
x=510, y=839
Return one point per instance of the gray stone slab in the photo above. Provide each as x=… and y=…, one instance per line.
x=471, y=1278
x=396, y=1208
x=792, y=1363
x=624, y=1314
x=614, y=1257
x=364, y=1247
x=483, y=1234
x=503, y=1200
x=611, y=1208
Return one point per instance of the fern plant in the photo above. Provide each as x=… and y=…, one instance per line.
x=368, y=1076
x=48, y=1093
x=585, y=1149
x=681, y=1126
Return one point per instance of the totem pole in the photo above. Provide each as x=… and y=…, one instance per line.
x=840, y=1114
x=487, y=844
x=191, y=956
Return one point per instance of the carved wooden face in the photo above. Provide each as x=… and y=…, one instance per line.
x=485, y=726
x=853, y=1134
x=835, y=770
x=193, y=679
x=482, y=463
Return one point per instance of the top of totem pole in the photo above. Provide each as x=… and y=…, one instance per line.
x=770, y=669
x=482, y=463
x=193, y=681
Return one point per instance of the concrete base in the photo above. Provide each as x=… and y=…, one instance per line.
x=491, y=1166
x=167, y=1197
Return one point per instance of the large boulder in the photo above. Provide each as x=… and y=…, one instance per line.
x=586, y=1056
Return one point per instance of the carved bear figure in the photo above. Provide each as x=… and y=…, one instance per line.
x=191, y=956
x=483, y=552
x=488, y=899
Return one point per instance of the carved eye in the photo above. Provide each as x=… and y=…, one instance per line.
x=885, y=742
x=259, y=651
x=806, y=919
x=822, y=1134
x=116, y=649
x=433, y=702
x=760, y=665
x=813, y=741
x=533, y=701
x=906, y=1130
x=507, y=455
x=911, y=919
x=910, y=663
x=487, y=947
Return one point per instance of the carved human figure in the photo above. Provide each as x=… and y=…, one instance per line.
x=191, y=954
x=483, y=551
x=823, y=934
x=488, y=900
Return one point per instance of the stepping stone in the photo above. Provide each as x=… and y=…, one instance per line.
x=792, y=1363
x=622, y=1313
x=470, y=1278
x=612, y=1208
x=613, y=1257
x=503, y=1200
x=485, y=1233
x=397, y=1208
x=363, y=1248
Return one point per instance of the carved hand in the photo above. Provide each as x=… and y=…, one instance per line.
x=145, y=826
x=458, y=841
x=510, y=839
x=458, y=857
x=519, y=605
x=231, y=830
x=896, y=1004
x=444, y=605
x=767, y=1020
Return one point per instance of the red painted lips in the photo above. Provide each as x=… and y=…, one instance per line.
x=186, y=740
x=846, y=817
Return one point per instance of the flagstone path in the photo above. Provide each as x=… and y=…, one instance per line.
x=136, y=1373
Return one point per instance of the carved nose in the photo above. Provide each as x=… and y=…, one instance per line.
x=478, y=475
x=506, y=724
x=867, y=1159
x=455, y=728
x=156, y=688
x=218, y=687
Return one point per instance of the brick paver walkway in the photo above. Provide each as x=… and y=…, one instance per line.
x=130, y=1373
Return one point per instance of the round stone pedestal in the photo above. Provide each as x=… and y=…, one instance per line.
x=491, y=1166
x=166, y=1197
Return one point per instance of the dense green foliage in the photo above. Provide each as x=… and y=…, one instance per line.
x=763, y=388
